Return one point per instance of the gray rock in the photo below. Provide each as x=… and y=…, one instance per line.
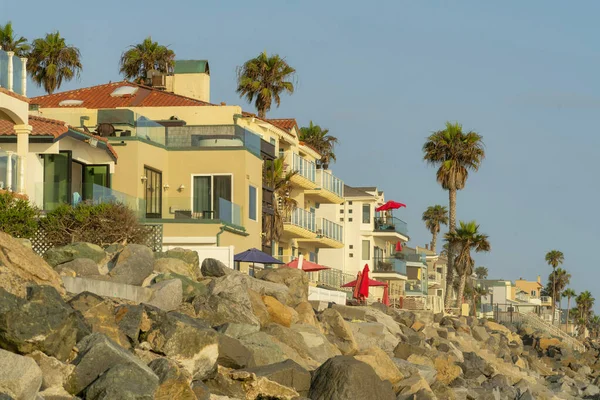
x=54, y=372
x=343, y=377
x=133, y=265
x=20, y=376
x=96, y=355
x=265, y=288
x=234, y=330
x=320, y=351
x=295, y=279
x=191, y=288
x=42, y=322
x=176, y=266
x=124, y=381
x=167, y=369
x=263, y=348
x=190, y=257
x=591, y=390
x=527, y=395
x=81, y=267
x=405, y=350
x=215, y=268
x=84, y=301
x=480, y=333
x=233, y=354
x=338, y=332
x=60, y=255
x=129, y=318
x=167, y=295
x=351, y=313
x=317, y=345
x=287, y=373
x=201, y=391
x=186, y=340
x=474, y=366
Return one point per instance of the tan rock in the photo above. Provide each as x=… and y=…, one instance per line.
x=544, y=343
x=493, y=326
x=382, y=364
x=19, y=266
x=338, y=331
x=420, y=360
x=306, y=314
x=447, y=370
x=412, y=385
x=279, y=313
x=174, y=389
x=54, y=372
x=176, y=266
x=261, y=387
x=418, y=326
x=102, y=319
x=259, y=308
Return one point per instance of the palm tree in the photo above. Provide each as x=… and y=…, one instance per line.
x=265, y=78
x=10, y=42
x=434, y=217
x=569, y=294
x=585, y=302
x=455, y=153
x=554, y=258
x=52, y=61
x=466, y=238
x=481, y=272
x=594, y=325
x=322, y=141
x=562, y=279
x=478, y=292
x=279, y=180
x=143, y=57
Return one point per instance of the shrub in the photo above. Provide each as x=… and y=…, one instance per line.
x=17, y=216
x=101, y=224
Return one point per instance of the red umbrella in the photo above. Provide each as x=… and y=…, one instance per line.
x=357, y=283
x=364, y=282
x=390, y=205
x=386, y=296
x=307, y=266
x=372, y=282
x=398, y=247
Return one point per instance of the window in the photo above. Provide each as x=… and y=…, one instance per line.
x=351, y=255
x=350, y=211
x=273, y=141
x=281, y=153
x=342, y=211
x=533, y=293
x=153, y=192
x=209, y=193
x=312, y=257
x=349, y=219
x=351, y=246
x=349, y=203
x=366, y=214
x=252, y=211
x=341, y=219
x=366, y=250
x=280, y=252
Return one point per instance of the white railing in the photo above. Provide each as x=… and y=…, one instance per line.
x=303, y=219
x=330, y=182
x=539, y=323
x=335, y=296
x=331, y=230
x=303, y=167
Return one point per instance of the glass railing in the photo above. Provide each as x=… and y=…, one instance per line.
x=17, y=73
x=183, y=209
x=413, y=257
x=415, y=287
x=303, y=167
x=149, y=130
x=331, y=230
x=213, y=137
x=390, y=224
x=9, y=171
x=334, y=278
x=435, y=276
x=329, y=182
x=3, y=69
x=302, y=218
x=101, y=194
x=390, y=264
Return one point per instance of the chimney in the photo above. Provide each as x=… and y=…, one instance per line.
x=191, y=78
x=426, y=246
x=539, y=279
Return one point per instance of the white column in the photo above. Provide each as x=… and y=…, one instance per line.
x=9, y=171
x=24, y=76
x=23, y=132
x=10, y=55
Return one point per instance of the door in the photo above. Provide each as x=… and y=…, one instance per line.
x=98, y=175
x=57, y=180
x=153, y=193
x=212, y=197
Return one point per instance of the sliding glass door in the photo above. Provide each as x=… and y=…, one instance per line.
x=153, y=193
x=207, y=192
x=57, y=180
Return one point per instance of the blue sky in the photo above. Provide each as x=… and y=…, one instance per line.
x=383, y=75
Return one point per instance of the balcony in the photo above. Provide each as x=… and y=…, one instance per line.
x=414, y=287
x=305, y=177
x=390, y=268
x=183, y=209
x=268, y=206
x=329, y=235
x=434, y=278
x=330, y=189
x=413, y=258
x=390, y=226
x=546, y=301
x=300, y=223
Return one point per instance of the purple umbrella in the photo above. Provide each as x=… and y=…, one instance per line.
x=255, y=256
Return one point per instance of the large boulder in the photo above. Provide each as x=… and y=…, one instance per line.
x=80, y=266
x=228, y=301
x=215, y=268
x=176, y=266
x=319, y=348
x=41, y=322
x=134, y=264
x=306, y=314
x=54, y=372
x=174, y=382
x=233, y=354
x=186, y=340
x=97, y=354
x=20, y=377
x=296, y=341
x=264, y=348
x=166, y=295
x=132, y=319
x=20, y=266
x=124, y=381
x=189, y=257
x=474, y=366
x=100, y=317
x=191, y=289
x=287, y=373
x=60, y=255
x=259, y=308
x=381, y=363
x=295, y=279
x=237, y=330
x=369, y=334
x=338, y=331
x=343, y=377
x=279, y=313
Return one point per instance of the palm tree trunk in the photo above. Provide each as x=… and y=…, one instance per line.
x=433, y=240
x=553, y=293
x=568, y=310
x=461, y=291
x=450, y=266
x=261, y=113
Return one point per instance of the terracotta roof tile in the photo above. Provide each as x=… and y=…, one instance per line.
x=49, y=127
x=13, y=94
x=287, y=124
x=100, y=97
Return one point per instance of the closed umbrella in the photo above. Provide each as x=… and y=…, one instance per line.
x=363, y=291
x=398, y=247
x=355, y=292
x=386, y=296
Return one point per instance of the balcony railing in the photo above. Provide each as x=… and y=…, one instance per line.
x=334, y=278
x=390, y=265
x=330, y=230
x=415, y=287
x=435, y=276
x=412, y=257
x=303, y=167
x=329, y=182
x=390, y=224
x=183, y=208
x=303, y=219
x=546, y=299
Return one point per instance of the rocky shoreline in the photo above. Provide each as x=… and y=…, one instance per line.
x=214, y=333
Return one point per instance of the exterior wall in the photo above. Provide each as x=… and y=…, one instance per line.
x=529, y=287
x=13, y=109
x=196, y=86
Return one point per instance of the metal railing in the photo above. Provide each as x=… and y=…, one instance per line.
x=414, y=286
x=434, y=276
x=301, y=218
x=331, y=230
x=303, y=167
x=390, y=264
x=330, y=182
x=390, y=224
x=334, y=279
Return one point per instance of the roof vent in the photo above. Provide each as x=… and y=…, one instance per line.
x=124, y=91
x=67, y=103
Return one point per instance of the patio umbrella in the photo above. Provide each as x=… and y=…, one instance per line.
x=307, y=266
x=363, y=290
x=398, y=247
x=372, y=283
x=355, y=293
x=390, y=205
x=386, y=296
x=255, y=256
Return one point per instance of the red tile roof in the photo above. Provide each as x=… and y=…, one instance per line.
x=13, y=94
x=100, y=97
x=287, y=124
x=49, y=127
